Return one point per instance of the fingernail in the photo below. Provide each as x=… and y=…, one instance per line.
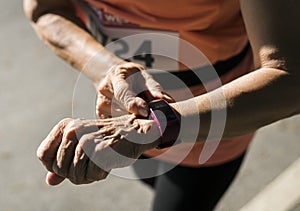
x=168, y=98
x=53, y=179
x=158, y=95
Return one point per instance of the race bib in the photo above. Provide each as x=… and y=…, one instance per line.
x=148, y=47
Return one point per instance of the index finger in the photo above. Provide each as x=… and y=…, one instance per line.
x=125, y=94
x=46, y=152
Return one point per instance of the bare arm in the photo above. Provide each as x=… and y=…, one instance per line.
x=56, y=23
x=58, y=26
x=272, y=91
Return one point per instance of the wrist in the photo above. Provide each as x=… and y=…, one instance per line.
x=190, y=113
x=99, y=64
x=152, y=133
x=176, y=108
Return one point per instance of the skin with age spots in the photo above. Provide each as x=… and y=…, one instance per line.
x=80, y=143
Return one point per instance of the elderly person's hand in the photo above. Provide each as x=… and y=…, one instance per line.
x=85, y=151
x=118, y=92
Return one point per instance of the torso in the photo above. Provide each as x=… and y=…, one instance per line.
x=215, y=27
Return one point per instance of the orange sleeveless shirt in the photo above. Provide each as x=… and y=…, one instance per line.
x=216, y=28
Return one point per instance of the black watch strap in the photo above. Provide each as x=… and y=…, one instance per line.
x=167, y=120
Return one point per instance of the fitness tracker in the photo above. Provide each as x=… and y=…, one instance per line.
x=167, y=121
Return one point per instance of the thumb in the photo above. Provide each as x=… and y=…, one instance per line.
x=54, y=179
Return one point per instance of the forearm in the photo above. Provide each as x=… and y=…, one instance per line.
x=250, y=102
x=63, y=32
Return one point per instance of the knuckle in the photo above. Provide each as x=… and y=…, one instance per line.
x=77, y=123
x=103, y=102
x=59, y=170
x=64, y=122
x=127, y=68
x=104, y=87
x=44, y=156
x=41, y=154
x=113, y=69
x=70, y=133
x=131, y=105
x=133, y=65
x=73, y=129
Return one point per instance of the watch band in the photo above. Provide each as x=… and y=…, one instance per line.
x=167, y=120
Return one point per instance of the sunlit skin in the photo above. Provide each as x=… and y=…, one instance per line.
x=63, y=150
x=268, y=94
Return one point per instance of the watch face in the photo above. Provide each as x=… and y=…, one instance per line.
x=167, y=122
x=165, y=109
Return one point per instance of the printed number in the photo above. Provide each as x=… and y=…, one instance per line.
x=142, y=54
x=124, y=47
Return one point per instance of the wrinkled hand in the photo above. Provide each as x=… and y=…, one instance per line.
x=118, y=91
x=85, y=151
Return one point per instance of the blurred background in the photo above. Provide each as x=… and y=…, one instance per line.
x=36, y=89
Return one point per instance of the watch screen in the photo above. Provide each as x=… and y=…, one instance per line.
x=166, y=109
